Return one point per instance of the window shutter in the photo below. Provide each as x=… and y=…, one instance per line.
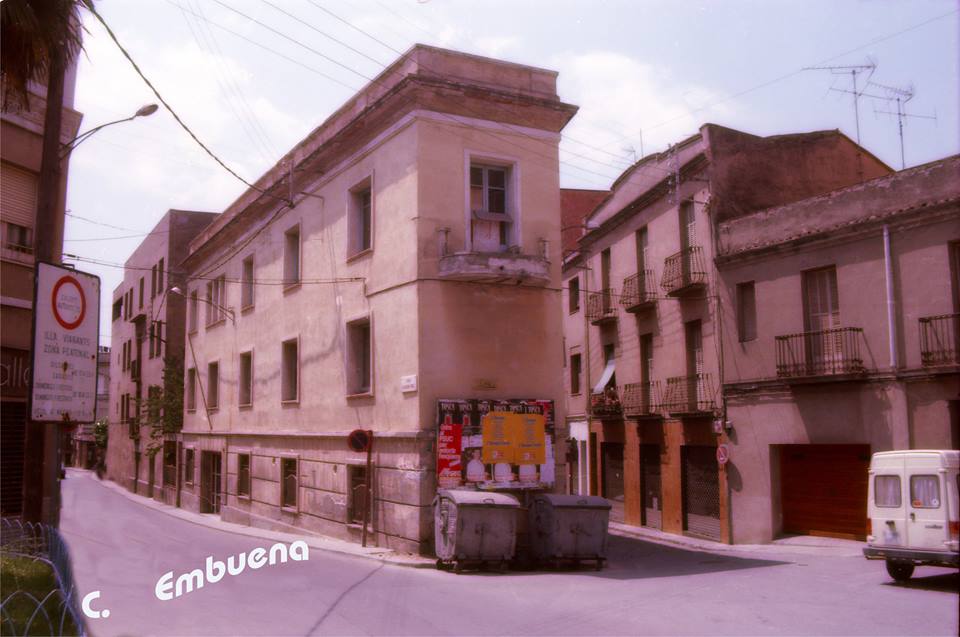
x=19, y=195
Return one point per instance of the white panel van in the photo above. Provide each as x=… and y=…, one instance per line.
x=913, y=509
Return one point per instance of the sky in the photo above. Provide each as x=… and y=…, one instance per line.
x=252, y=78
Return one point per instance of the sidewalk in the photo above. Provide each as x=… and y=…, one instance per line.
x=313, y=541
x=799, y=544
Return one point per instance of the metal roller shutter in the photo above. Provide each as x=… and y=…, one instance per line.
x=701, y=491
x=18, y=196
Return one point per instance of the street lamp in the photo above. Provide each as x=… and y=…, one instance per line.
x=176, y=290
x=144, y=111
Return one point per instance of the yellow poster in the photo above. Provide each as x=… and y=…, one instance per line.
x=529, y=439
x=497, y=439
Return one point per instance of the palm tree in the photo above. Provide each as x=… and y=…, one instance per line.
x=37, y=37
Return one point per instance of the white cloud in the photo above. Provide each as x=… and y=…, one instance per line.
x=618, y=98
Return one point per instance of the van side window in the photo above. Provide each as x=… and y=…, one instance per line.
x=925, y=492
x=886, y=491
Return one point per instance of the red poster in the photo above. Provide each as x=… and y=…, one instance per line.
x=448, y=454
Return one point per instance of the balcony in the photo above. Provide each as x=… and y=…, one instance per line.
x=940, y=340
x=642, y=399
x=690, y=395
x=639, y=292
x=684, y=272
x=606, y=404
x=834, y=352
x=601, y=308
x=495, y=267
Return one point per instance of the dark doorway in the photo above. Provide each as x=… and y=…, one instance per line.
x=650, y=486
x=210, y=482
x=701, y=491
x=612, y=460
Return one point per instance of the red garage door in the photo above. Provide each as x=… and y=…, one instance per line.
x=824, y=489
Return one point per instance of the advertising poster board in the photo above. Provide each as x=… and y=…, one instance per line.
x=495, y=444
x=66, y=327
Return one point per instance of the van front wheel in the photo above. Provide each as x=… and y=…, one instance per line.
x=900, y=571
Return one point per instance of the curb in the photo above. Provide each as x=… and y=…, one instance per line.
x=319, y=542
x=682, y=541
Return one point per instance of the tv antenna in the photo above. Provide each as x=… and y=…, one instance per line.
x=901, y=96
x=852, y=70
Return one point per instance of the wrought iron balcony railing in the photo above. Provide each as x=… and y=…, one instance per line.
x=690, y=395
x=606, y=404
x=940, y=340
x=642, y=399
x=684, y=271
x=639, y=292
x=601, y=307
x=821, y=353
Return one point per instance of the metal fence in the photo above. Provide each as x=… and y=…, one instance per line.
x=639, y=291
x=684, y=270
x=601, y=306
x=940, y=340
x=44, y=543
x=821, y=353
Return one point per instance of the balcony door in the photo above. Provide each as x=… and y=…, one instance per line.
x=695, y=385
x=646, y=372
x=688, y=239
x=605, y=280
x=823, y=347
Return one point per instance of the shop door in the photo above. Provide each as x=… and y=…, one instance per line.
x=650, y=484
x=701, y=491
x=612, y=453
x=209, y=482
x=823, y=489
x=13, y=422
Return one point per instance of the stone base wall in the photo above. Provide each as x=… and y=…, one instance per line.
x=403, y=485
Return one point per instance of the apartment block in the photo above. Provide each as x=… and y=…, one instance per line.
x=146, y=358
x=645, y=357
x=21, y=142
x=406, y=252
x=839, y=317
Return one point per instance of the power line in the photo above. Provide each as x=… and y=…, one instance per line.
x=90, y=7
x=324, y=34
x=205, y=40
x=264, y=47
x=798, y=71
x=121, y=266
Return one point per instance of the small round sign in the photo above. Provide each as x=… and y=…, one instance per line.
x=360, y=439
x=68, y=302
x=723, y=454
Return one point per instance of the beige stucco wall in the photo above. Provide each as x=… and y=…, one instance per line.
x=902, y=408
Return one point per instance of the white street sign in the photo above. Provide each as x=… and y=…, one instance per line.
x=66, y=326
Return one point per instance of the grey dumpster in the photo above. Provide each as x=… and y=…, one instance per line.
x=569, y=528
x=474, y=528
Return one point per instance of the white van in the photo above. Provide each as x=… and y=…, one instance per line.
x=913, y=509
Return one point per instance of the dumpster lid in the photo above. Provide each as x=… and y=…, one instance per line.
x=579, y=501
x=479, y=498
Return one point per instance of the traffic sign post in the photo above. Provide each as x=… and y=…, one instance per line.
x=362, y=440
x=723, y=454
x=66, y=327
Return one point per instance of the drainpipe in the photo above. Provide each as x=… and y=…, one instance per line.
x=891, y=303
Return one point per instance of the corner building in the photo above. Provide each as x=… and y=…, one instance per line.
x=643, y=318
x=418, y=260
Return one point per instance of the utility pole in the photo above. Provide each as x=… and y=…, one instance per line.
x=42, y=444
x=853, y=70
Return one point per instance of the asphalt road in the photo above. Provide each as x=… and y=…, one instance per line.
x=122, y=548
